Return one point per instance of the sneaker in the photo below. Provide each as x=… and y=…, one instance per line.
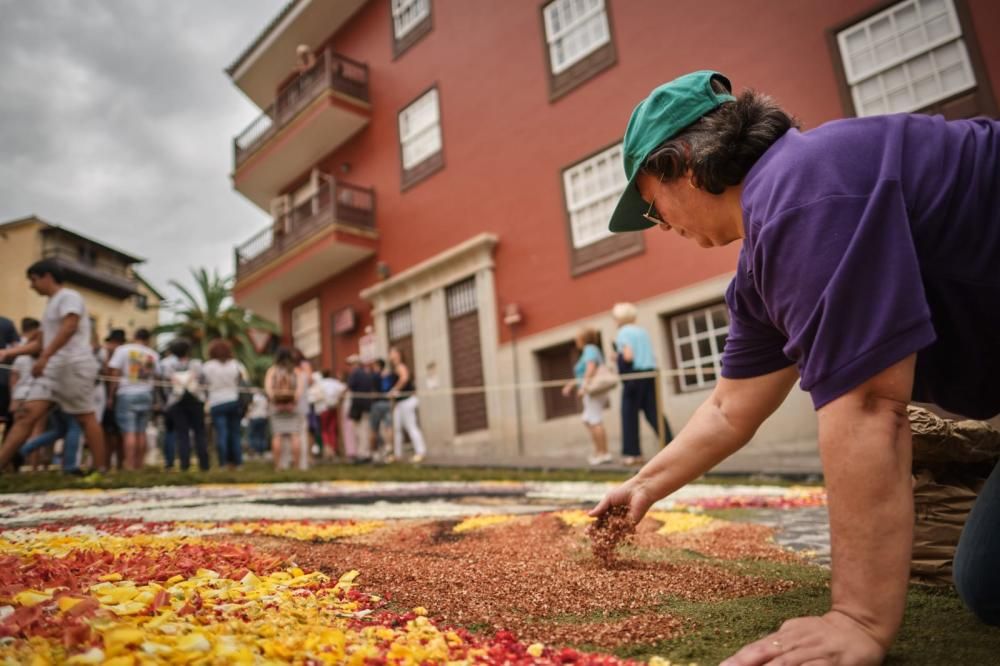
x=632, y=461
x=389, y=459
x=417, y=459
x=602, y=459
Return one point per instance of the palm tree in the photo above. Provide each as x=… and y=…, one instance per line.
x=212, y=314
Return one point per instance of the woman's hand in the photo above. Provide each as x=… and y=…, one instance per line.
x=634, y=494
x=568, y=389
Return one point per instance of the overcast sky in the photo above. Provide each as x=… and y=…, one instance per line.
x=116, y=120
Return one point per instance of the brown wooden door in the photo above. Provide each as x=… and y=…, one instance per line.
x=466, y=356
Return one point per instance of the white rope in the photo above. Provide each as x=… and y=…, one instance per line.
x=460, y=390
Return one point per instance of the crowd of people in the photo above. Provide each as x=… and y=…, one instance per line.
x=115, y=400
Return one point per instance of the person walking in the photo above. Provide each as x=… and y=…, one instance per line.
x=284, y=392
x=404, y=413
x=185, y=404
x=65, y=363
x=584, y=372
x=222, y=375
x=867, y=274
x=380, y=416
x=635, y=355
x=134, y=367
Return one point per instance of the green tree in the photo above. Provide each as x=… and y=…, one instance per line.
x=209, y=313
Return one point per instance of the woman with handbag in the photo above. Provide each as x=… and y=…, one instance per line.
x=284, y=391
x=593, y=385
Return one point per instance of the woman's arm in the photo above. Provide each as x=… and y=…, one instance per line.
x=722, y=425
x=269, y=383
x=403, y=376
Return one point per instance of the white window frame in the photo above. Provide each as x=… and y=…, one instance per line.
x=420, y=121
x=894, y=75
x=407, y=14
x=306, y=328
x=599, y=202
x=694, y=370
x=558, y=37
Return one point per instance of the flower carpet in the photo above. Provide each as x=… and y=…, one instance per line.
x=479, y=588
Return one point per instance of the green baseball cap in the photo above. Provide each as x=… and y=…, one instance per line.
x=669, y=108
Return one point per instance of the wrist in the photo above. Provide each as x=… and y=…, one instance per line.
x=877, y=631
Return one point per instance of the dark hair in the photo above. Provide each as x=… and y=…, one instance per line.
x=46, y=266
x=142, y=334
x=220, y=350
x=180, y=348
x=379, y=363
x=327, y=373
x=721, y=147
x=29, y=324
x=402, y=356
x=285, y=357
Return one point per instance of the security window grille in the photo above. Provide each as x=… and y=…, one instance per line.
x=407, y=14
x=461, y=298
x=555, y=364
x=592, y=189
x=573, y=30
x=420, y=130
x=306, y=328
x=906, y=57
x=699, y=338
x=400, y=323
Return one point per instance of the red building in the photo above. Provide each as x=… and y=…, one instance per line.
x=433, y=164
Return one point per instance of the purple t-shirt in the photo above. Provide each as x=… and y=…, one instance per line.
x=868, y=240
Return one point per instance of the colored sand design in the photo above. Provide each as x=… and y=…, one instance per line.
x=342, y=592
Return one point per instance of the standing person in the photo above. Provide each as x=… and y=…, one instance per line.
x=221, y=375
x=304, y=379
x=134, y=367
x=284, y=392
x=635, y=355
x=584, y=370
x=380, y=417
x=257, y=416
x=8, y=338
x=66, y=363
x=333, y=392
x=185, y=404
x=112, y=435
x=360, y=383
x=404, y=414
x=867, y=273
x=25, y=388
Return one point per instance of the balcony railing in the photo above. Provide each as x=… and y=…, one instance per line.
x=332, y=71
x=99, y=274
x=333, y=203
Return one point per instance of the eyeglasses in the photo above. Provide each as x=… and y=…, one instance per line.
x=651, y=214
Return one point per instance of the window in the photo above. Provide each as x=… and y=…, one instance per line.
x=411, y=20
x=577, y=42
x=306, y=328
x=592, y=188
x=141, y=302
x=698, y=340
x=556, y=364
x=420, y=138
x=908, y=57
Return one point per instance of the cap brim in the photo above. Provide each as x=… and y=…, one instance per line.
x=628, y=215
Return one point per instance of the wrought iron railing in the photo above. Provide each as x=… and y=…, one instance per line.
x=332, y=71
x=334, y=202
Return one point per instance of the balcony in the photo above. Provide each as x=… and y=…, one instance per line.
x=99, y=274
x=315, y=239
x=320, y=109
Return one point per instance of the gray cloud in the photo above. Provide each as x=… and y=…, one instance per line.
x=116, y=121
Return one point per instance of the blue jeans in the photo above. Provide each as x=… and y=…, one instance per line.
x=226, y=421
x=977, y=573
x=60, y=426
x=132, y=411
x=258, y=435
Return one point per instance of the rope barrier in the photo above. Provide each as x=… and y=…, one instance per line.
x=454, y=390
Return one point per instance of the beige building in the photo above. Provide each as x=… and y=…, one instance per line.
x=116, y=295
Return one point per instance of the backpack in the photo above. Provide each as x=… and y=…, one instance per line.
x=283, y=386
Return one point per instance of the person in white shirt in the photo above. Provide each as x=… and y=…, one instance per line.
x=185, y=404
x=222, y=375
x=134, y=366
x=333, y=392
x=66, y=363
